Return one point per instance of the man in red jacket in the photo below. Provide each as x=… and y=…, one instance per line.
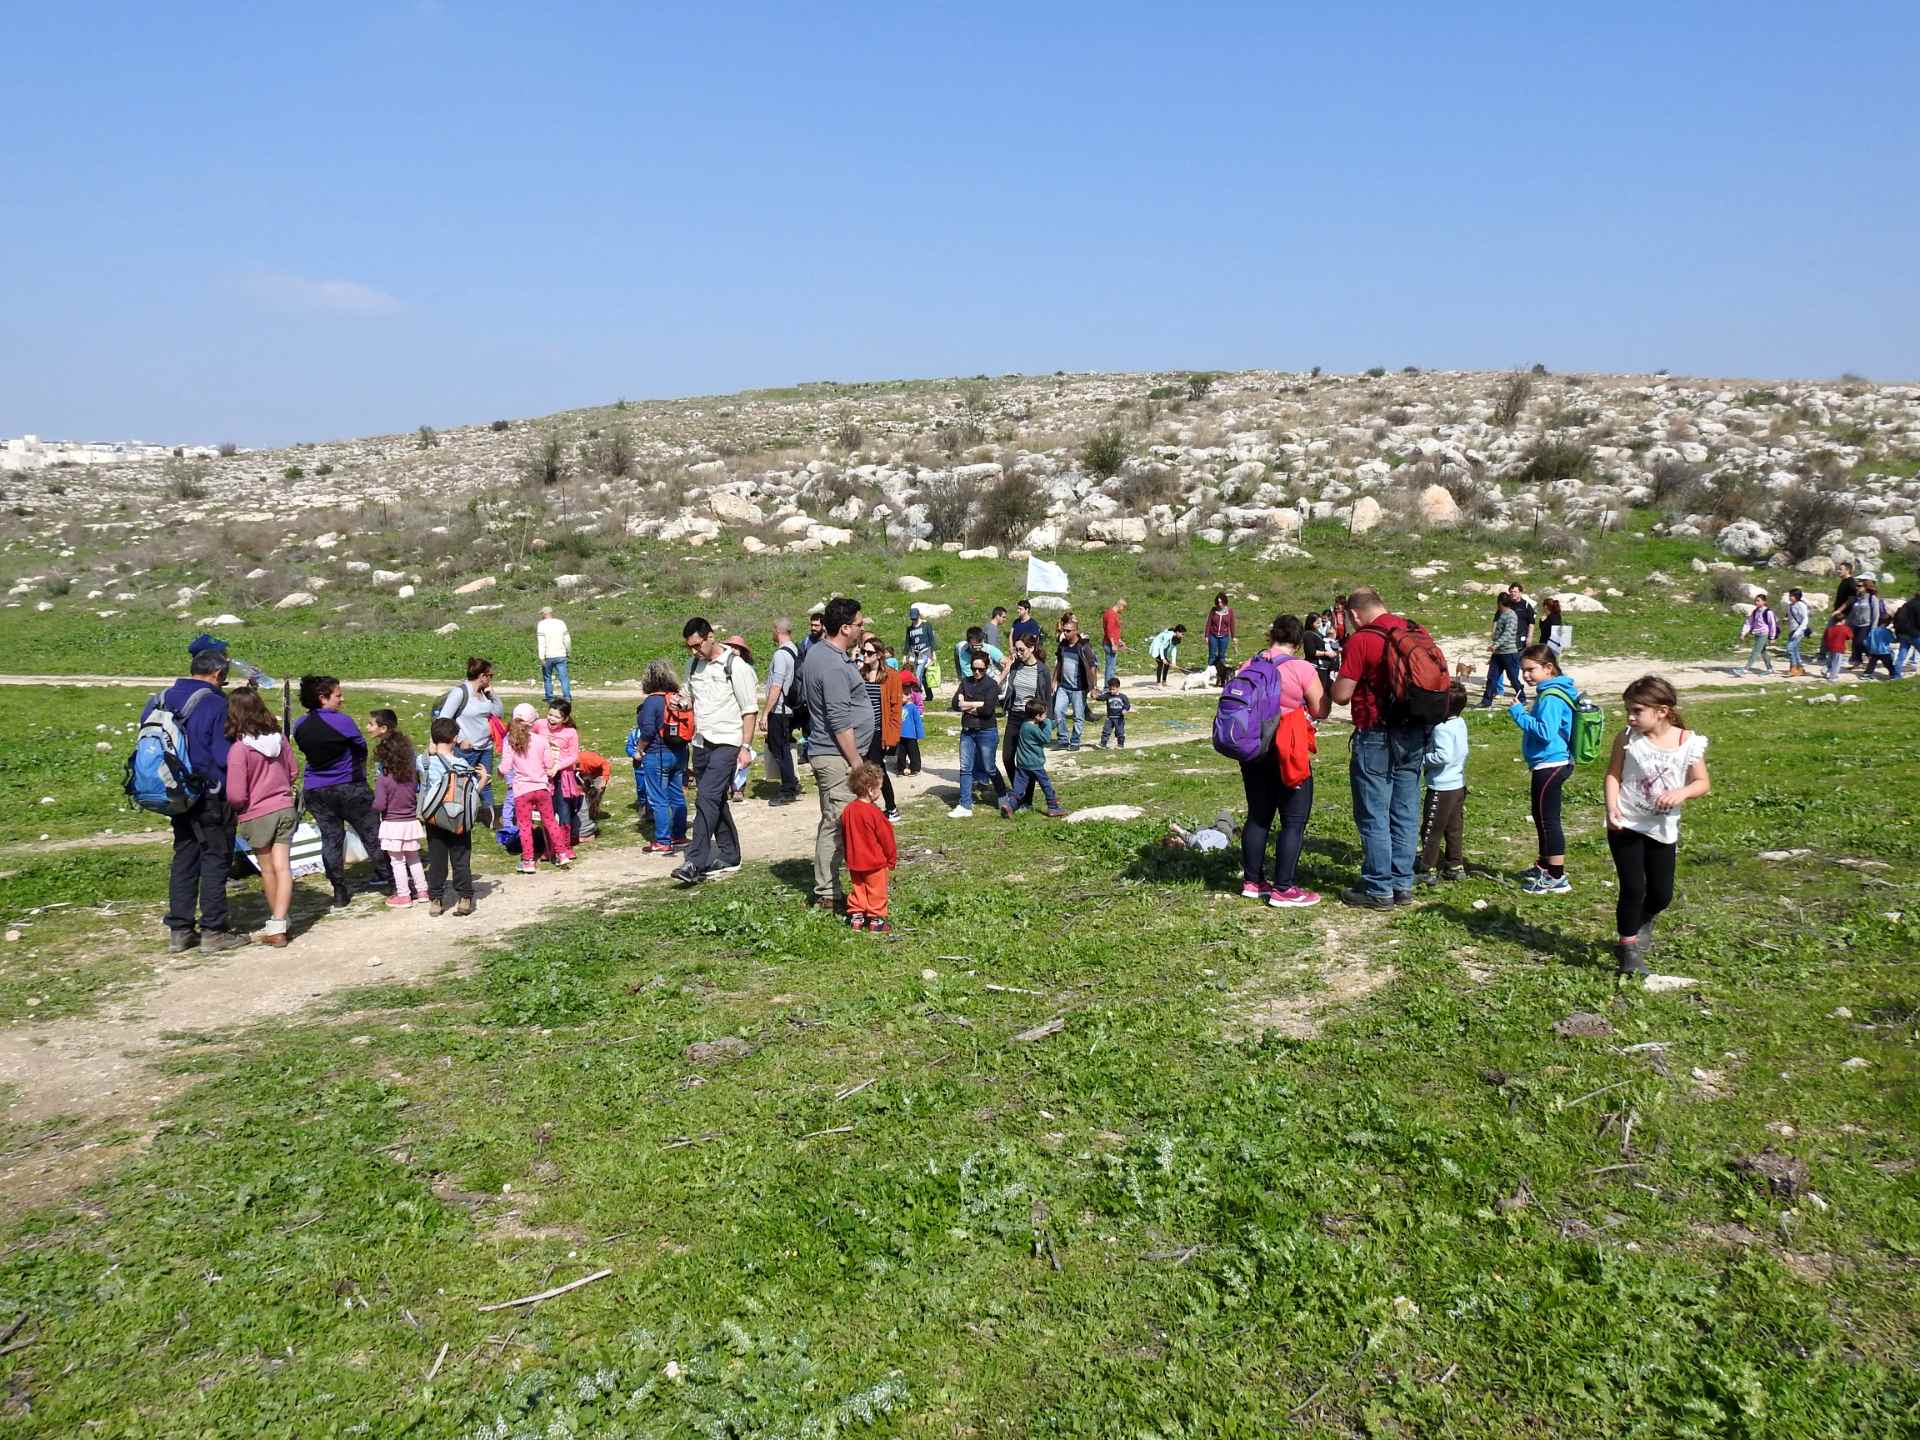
x=1110, y=640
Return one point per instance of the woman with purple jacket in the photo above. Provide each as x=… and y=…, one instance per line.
x=334, y=786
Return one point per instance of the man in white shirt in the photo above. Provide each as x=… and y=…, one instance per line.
x=725, y=713
x=554, y=643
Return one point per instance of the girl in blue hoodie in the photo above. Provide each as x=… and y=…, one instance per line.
x=1546, y=744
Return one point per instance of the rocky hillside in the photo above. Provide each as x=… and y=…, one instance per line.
x=1801, y=474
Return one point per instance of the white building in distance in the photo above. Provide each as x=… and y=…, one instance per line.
x=30, y=452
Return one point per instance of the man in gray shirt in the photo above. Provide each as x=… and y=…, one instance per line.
x=776, y=718
x=839, y=732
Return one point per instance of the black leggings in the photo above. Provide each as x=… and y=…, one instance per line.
x=1645, y=867
x=1266, y=797
x=877, y=757
x=1547, y=785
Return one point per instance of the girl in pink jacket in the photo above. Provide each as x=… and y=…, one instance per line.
x=563, y=763
x=524, y=760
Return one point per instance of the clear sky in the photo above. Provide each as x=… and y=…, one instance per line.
x=269, y=223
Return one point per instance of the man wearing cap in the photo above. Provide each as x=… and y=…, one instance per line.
x=721, y=683
x=554, y=642
x=203, y=835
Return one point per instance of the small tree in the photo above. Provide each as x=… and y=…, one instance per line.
x=228, y=449
x=1376, y=372
x=498, y=427
x=545, y=464
x=1199, y=385
x=949, y=508
x=1511, y=400
x=1008, y=509
x=1806, y=514
x=613, y=454
x=1105, y=453
x=426, y=437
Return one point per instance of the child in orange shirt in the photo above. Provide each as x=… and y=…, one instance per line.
x=867, y=836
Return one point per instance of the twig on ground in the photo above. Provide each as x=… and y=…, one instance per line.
x=434, y=1369
x=1041, y=1032
x=852, y=1090
x=837, y=1130
x=548, y=1294
x=1013, y=990
x=1626, y=1137
x=1609, y=1169
x=13, y=1329
x=691, y=1140
x=1591, y=1093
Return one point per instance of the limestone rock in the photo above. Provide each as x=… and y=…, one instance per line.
x=1366, y=515
x=913, y=584
x=298, y=600
x=474, y=587
x=1438, y=508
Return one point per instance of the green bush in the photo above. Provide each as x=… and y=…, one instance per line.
x=1104, y=453
x=1008, y=509
x=293, y=472
x=1376, y=372
x=1199, y=384
x=498, y=427
x=1554, y=459
x=545, y=464
x=426, y=437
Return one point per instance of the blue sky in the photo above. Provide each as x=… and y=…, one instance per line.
x=266, y=224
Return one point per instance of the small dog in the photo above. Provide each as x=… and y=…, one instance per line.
x=1198, y=680
x=1463, y=669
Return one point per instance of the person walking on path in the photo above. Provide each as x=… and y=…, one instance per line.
x=1027, y=679
x=1546, y=745
x=555, y=643
x=777, y=713
x=1523, y=611
x=1110, y=642
x=1503, y=662
x=995, y=629
x=396, y=800
x=659, y=752
x=919, y=644
x=260, y=794
x=977, y=699
x=1799, y=623
x=334, y=788
x=1387, y=756
x=1865, y=613
x=1657, y=766
x=866, y=835
x=1268, y=794
x=1550, y=620
x=203, y=833
x=1906, y=630
x=1026, y=627
x=1030, y=772
x=474, y=707
x=1843, y=592
x=1763, y=626
x=721, y=684
x=1073, y=672
x=886, y=695
x=1220, y=634
x=839, y=730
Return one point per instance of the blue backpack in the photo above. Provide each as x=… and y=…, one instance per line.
x=160, y=774
x=1249, y=712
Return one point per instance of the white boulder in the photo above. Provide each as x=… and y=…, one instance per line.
x=298, y=600
x=474, y=587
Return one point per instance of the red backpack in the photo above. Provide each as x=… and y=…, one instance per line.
x=676, y=722
x=1418, y=681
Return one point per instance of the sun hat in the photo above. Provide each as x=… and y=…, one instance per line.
x=739, y=642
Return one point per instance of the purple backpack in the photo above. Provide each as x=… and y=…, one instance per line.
x=1249, y=712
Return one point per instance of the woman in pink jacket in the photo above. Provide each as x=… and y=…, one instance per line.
x=563, y=763
x=260, y=790
x=524, y=761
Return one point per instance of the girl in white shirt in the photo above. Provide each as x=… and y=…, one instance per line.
x=1657, y=766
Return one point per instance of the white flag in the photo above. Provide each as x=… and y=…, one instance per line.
x=1044, y=577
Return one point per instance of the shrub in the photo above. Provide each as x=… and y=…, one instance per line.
x=958, y=436
x=1510, y=401
x=1376, y=372
x=293, y=472
x=1104, y=453
x=323, y=468
x=1409, y=369
x=1314, y=374
x=1398, y=415
x=1733, y=497
x=59, y=586
x=621, y=403
x=1163, y=392
x=948, y=508
x=185, y=480
x=1728, y=587
x=228, y=449
x=613, y=453
x=1199, y=384
x=1550, y=459
x=498, y=427
x=1150, y=485
x=426, y=437
x=545, y=464
x=1805, y=514
x=1677, y=485
x=1009, y=508
x=849, y=436
x=1539, y=369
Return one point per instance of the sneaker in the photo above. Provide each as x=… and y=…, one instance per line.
x=720, y=872
x=879, y=926
x=1545, y=884
x=1255, y=890
x=437, y=908
x=215, y=941
x=1459, y=872
x=1292, y=898
x=960, y=812
x=464, y=906
x=564, y=861
x=894, y=815
x=527, y=867
x=1365, y=899
x=1056, y=813
x=399, y=902
x=1403, y=897
x=656, y=847
x=1426, y=877
x=856, y=921
x=687, y=875
x=1628, y=960
x=269, y=937
x=178, y=940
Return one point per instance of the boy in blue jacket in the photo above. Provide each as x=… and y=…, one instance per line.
x=1444, y=819
x=1546, y=744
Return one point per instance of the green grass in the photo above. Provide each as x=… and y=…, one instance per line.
x=371, y=634
x=1149, y=1223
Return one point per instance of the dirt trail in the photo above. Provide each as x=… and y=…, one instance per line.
x=87, y=1070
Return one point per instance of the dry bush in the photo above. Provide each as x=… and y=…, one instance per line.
x=1104, y=453
x=1805, y=514
x=949, y=508
x=958, y=435
x=1008, y=509
x=185, y=479
x=1725, y=587
x=1510, y=401
x=849, y=436
x=545, y=462
x=1555, y=459
x=1734, y=497
x=1677, y=485
x=1145, y=486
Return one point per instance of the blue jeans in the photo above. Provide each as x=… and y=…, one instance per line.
x=1908, y=648
x=1793, y=652
x=1501, y=667
x=1067, y=702
x=1385, y=771
x=977, y=750
x=1758, y=655
x=551, y=668
x=477, y=757
x=1113, y=662
x=1024, y=781
x=665, y=770
x=1216, y=650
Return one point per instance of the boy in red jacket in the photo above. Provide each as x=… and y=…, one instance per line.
x=867, y=835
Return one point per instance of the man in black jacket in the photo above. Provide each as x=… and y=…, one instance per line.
x=1523, y=608
x=1074, y=672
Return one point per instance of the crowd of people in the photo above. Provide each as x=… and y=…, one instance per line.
x=1861, y=632
x=845, y=707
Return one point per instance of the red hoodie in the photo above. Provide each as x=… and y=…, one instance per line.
x=868, y=838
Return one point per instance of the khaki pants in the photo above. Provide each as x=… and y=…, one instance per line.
x=830, y=771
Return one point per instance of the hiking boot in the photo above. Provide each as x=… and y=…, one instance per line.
x=1426, y=877
x=1627, y=959
x=178, y=940
x=1292, y=898
x=342, y=897
x=464, y=906
x=1403, y=897
x=1365, y=899
x=215, y=941
x=437, y=908
x=1456, y=873
x=1255, y=890
x=275, y=938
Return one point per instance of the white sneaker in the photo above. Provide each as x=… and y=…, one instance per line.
x=960, y=812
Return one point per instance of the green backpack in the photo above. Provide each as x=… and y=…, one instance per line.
x=1589, y=731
